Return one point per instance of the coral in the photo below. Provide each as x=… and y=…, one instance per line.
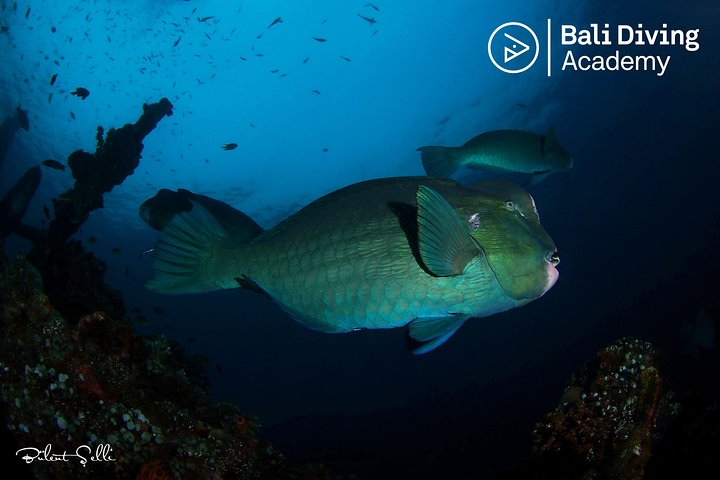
x=606, y=418
x=95, y=382
x=138, y=403
x=74, y=280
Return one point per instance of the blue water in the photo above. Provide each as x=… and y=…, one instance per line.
x=628, y=219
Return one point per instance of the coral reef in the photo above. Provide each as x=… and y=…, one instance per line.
x=97, y=383
x=606, y=419
x=83, y=395
x=73, y=277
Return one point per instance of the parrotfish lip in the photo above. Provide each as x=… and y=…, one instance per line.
x=552, y=275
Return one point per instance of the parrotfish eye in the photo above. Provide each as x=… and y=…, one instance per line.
x=474, y=222
x=510, y=205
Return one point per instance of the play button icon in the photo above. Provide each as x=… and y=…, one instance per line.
x=510, y=54
x=519, y=45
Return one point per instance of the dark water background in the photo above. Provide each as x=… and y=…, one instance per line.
x=636, y=222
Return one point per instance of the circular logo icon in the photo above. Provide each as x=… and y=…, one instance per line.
x=516, y=44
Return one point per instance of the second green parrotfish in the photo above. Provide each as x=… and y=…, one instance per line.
x=507, y=151
x=424, y=252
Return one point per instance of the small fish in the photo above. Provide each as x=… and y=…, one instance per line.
x=252, y=124
x=306, y=59
x=243, y=58
x=92, y=240
x=208, y=36
x=319, y=39
x=177, y=41
x=50, y=97
x=81, y=92
x=54, y=164
x=46, y=212
x=53, y=29
x=52, y=79
x=204, y=19
x=259, y=54
x=144, y=252
x=372, y=6
x=345, y=58
x=4, y=29
x=316, y=92
x=116, y=250
x=370, y=20
x=275, y=22
x=274, y=70
x=72, y=115
x=325, y=149
x=230, y=146
x=259, y=37
x=27, y=13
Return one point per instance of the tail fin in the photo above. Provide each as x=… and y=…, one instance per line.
x=182, y=260
x=438, y=161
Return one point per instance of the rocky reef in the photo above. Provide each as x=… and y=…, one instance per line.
x=608, y=414
x=131, y=406
x=95, y=382
x=85, y=396
x=617, y=419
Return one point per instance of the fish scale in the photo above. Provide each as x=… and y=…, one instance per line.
x=347, y=267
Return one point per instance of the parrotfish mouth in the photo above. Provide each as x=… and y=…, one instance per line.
x=530, y=283
x=552, y=274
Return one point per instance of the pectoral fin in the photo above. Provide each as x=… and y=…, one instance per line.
x=428, y=333
x=445, y=244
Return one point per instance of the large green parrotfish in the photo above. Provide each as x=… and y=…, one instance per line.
x=418, y=251
x=504, y=151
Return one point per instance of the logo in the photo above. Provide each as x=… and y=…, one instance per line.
x=518, y=44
